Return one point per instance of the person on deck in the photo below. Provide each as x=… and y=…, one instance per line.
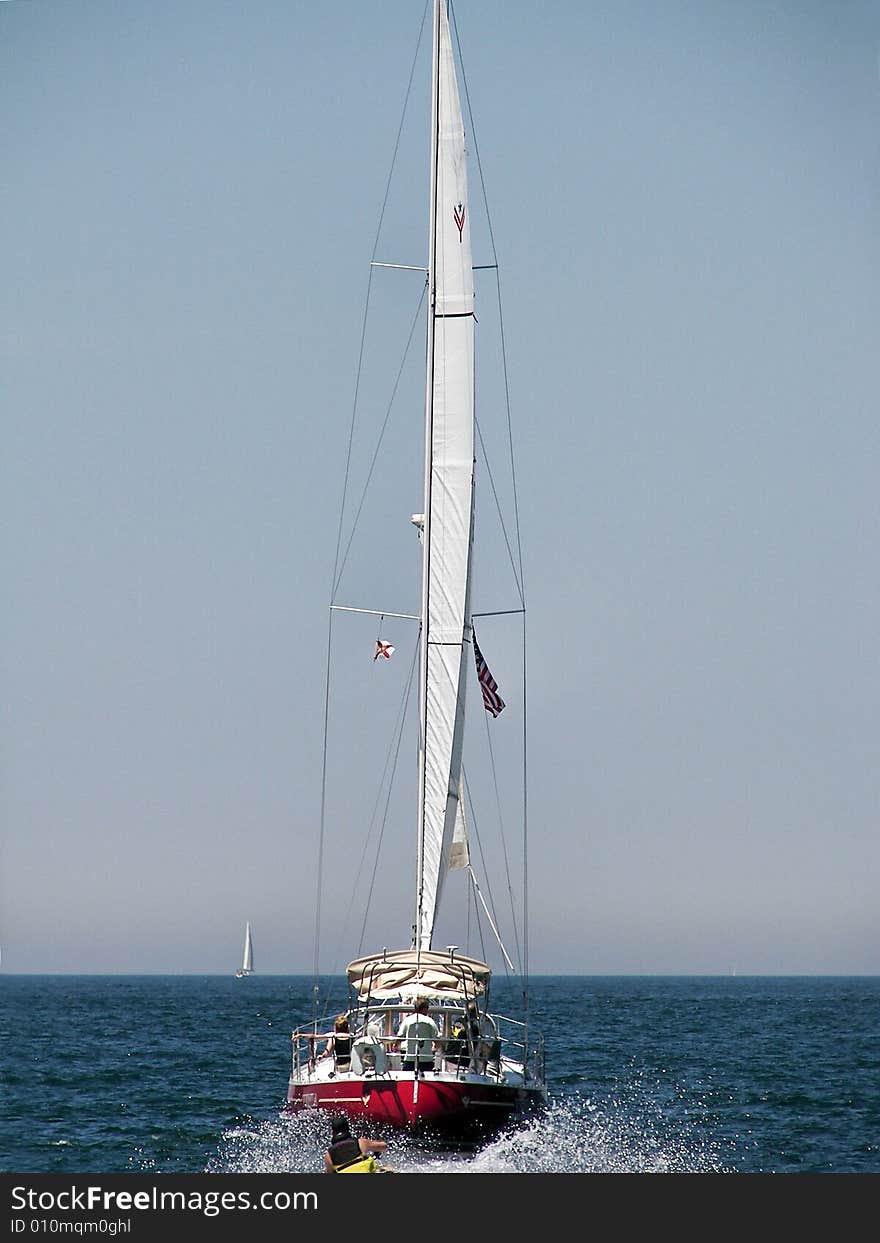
x=350, y=1155
x=483, y=1040
x=418, y=1038
x=458, y=1047
x=339, y=1043
x=368, y=1051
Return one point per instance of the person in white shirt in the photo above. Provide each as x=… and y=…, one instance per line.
x=418, y=1037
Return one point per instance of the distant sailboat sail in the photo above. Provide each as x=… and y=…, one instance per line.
x=247, y=963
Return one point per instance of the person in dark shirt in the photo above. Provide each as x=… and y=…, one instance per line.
x=339, y=1043
x=350, y=1155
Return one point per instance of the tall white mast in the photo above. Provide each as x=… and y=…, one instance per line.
x=447, y=528
x=426, y=507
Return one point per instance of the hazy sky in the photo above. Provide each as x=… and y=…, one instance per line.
x=684, y=200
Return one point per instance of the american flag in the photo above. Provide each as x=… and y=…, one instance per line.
x=492, y=701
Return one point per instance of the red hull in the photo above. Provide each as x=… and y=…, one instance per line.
x=450, y=1106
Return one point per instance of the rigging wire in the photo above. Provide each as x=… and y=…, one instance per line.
x=492, y=910
x=471, y=901
x=479, y=893
x=498, y=284
x=383, y=429
x=336, y=570
x=386, y=780
x=515, y=507
x=517, y=571
x=409, y=685
x=502, y=834
x=320, y=867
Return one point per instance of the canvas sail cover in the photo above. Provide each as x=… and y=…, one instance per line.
x=450, y=526
x=408, y=974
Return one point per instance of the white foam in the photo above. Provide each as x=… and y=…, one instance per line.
x=634, y=1134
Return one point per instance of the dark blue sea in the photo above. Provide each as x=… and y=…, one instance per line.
x=188, y=1075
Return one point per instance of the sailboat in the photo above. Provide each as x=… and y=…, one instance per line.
x=247, y=961
x=463, y=1068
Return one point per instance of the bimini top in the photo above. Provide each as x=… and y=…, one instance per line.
x=411, y=973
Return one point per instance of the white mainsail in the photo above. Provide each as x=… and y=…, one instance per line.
x=247, y=964
x=448, y=523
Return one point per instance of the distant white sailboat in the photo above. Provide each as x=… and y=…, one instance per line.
x=247, y=962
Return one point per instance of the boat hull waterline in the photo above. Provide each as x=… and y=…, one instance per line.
x=433, y=1101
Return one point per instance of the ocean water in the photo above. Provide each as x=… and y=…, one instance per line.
x=188, y=1075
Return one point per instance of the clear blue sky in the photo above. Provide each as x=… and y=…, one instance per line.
x=685, y=204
